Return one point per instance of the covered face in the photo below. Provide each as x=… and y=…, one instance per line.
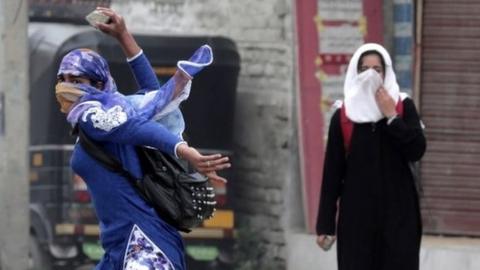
x=82, y=71
x=369, y=69
x=67, y=94
x=371, y=60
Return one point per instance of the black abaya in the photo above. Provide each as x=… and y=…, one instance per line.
x=379, y=225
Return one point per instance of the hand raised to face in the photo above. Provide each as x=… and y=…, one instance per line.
x=385, y=103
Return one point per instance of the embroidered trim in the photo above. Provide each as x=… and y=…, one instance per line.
x=143, y=254
x=106, y=120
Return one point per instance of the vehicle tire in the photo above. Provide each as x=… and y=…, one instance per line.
x=38, y=259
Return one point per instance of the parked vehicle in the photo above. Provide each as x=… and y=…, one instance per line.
x=64, y=229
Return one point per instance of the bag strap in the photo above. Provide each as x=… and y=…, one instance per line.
x=347, y=125
x=399, y=107
x=108, y=161
x=347, y=128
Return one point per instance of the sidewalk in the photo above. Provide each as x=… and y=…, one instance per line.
x=438, y=253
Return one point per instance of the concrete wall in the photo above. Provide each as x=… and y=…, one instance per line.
x=266, y=187
x=14, y=104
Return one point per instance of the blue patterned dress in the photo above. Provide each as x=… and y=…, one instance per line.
x=133, y=236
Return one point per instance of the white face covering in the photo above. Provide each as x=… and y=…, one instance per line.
x=360, y=101
x=360, y=88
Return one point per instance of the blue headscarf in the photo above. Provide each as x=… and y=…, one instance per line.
x=87, y=63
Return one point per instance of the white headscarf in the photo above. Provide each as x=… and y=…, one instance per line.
x=359, y=89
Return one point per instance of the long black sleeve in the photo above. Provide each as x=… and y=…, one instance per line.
x=407, y=132
x=333, y=174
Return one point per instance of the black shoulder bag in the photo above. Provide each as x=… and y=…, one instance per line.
x=183, y=200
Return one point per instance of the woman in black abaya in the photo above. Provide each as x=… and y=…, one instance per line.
x=366, y=174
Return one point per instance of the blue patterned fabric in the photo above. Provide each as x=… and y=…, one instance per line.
x=160, y=105
x=143, y=254
x=120, y=122
x=162, y=108
x=88, y=63
x=201, y=58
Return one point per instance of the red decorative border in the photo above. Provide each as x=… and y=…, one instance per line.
x=310, y=116
x=310, y=119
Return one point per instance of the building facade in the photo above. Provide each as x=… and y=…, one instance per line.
x=266, y=184
x=293, y=57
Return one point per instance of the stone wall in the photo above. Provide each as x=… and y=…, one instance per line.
x=266, y=187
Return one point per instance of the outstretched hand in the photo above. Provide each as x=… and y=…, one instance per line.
x=207, y=165
x=215, y=177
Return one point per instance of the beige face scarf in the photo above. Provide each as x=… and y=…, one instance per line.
x=67, y=95
x=359, y=88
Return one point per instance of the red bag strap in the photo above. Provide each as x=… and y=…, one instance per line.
x=399, y=107
x=347, y=125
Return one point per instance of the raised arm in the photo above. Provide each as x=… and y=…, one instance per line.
x=139, y=63
x=144, y=74
x=117, y=29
